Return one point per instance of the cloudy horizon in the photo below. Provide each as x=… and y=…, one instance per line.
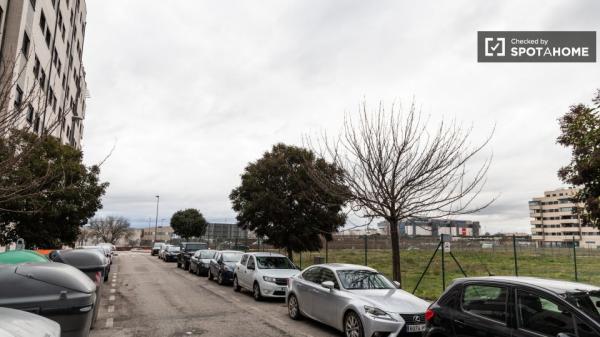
x=188, y=93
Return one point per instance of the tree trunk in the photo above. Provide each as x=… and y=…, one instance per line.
x=397, y=273
x=290, y=254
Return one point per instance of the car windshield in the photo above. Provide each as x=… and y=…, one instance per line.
x=157, y=245
x=232, y=257
x=207, y=254
x=274, y=262
x=587, y=301
x=363, y=279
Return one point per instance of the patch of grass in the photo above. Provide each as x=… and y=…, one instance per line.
x=546, y=263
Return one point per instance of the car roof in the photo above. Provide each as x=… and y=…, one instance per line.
x=266, y=254
x=345, y=266
x=230, y=251
x=556, y=286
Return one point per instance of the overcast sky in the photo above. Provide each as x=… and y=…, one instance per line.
x=189, y=92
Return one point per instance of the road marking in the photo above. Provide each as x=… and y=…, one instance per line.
x=111, y=298
x=109, y=322
x=113, y=284
x=112, y=291
x=111, y=308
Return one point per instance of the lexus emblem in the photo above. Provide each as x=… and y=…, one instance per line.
x=417, y=318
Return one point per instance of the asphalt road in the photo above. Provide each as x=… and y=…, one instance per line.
x=146, y=297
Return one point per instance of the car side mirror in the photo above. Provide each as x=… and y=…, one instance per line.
x=396, y=284
x=328, y=285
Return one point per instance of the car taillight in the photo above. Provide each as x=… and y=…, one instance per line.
x=98, y=277
x=429, y=314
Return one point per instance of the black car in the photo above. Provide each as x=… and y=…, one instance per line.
x=187, y=249
x=223, y=264
x=156, y=248
x=200, y=261
x=170, y=253
x=515, y=307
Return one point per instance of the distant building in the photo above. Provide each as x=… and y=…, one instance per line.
x=433, y=227
x=555, y=222
x=216, y=232
x=163, y=234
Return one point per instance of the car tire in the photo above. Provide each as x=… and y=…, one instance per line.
x=220, y=280
x=352, y=325
x=198, y=270
x=178, y=265
x=256, y=292
x=186, y=266
x=236, y=286
x=210, y=276
x=294, y=307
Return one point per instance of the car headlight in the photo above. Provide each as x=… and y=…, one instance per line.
x=378, y=313
x=269, y=279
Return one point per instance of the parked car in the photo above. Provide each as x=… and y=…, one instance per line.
x=161, y=252
x=17, y=323
x=223, y=264
x=356, y=300
x=515, y=307
x=187, y=249
x=200, y=261
x=265, y=274
x=156, y=248
x=170, y=254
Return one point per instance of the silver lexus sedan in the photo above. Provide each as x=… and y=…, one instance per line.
x=356, y=300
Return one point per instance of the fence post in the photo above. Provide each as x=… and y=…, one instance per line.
x=515, y=255
x=326, y=250
x=443, y=264
x=575, y=259
x=366, y=249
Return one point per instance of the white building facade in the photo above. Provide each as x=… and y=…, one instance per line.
x=555, y=222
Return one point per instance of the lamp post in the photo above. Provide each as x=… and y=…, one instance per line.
x=156, y=221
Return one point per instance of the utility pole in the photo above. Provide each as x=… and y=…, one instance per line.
x=156, y=220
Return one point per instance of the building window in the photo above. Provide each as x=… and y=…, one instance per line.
x=36, y=67
x=30, y=114
x=43, y=22
x=18, y=98
x=25, y=44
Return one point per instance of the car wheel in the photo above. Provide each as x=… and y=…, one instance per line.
x=178, y=265
x=220, y=279
x=294, y=308
x=256, y=292
x=186, y=266
x=352, y=325
x=210, y=277
x=236, y=286
x=198, y=270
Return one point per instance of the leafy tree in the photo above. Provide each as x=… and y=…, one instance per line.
x=580, y=131
x=68, y=195
x=277, y=199
x=110, y=229
x=188, y=223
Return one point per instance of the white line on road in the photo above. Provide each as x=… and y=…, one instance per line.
x=112, y=291
x=113, y=284
x=109, y=322
x=111, y=298
x=111, y=308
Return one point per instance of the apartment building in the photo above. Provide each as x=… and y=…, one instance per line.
x=424, y=226
x=44, y=41
x=555, y=223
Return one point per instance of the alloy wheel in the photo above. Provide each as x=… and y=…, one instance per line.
x=352, y=325
x=293, y=309
x=256, y=292
x=220, y=278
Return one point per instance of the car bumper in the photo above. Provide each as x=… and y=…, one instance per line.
x=269, y=289
x=169, y=258
x=154, y=252
x=203, y=268
x=227, y=275
x=397, y=328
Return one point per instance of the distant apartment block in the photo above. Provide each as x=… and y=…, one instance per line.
x=434, y=227
x=555, y=223
x=44, y=41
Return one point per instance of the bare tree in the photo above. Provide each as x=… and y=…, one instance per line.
x=396, y=169
x=110, y=229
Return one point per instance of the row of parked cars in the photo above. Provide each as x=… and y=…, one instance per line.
x=361, y=302
x=57, y=294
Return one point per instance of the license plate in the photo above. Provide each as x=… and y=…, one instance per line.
x=282, y=289
x=416, y=328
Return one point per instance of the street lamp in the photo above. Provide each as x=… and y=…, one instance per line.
x=156, y=221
